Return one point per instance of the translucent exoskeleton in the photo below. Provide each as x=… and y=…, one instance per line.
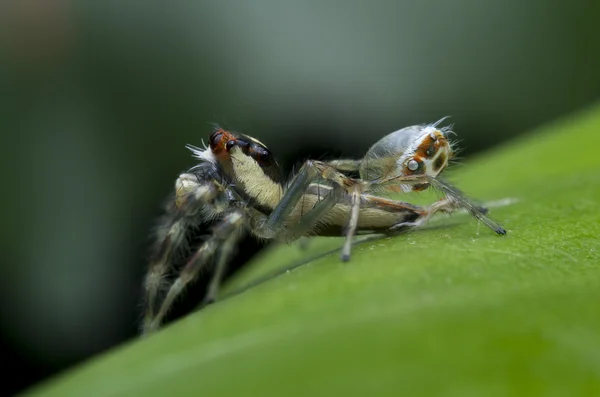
x=238, y=186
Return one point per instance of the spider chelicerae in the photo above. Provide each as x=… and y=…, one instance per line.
x=238, y=187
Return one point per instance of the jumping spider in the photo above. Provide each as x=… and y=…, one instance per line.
x=237, y=185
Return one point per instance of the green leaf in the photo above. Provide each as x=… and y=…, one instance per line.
x=451, y=309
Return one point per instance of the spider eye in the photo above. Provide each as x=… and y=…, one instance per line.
x=263, y=156
x=429, y=152
x=229, y=144
x=215, y=139
x=412, y=165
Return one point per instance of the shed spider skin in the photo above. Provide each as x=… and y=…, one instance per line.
x=237, y=186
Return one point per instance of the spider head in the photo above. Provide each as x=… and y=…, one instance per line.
x=249, y=164
x=241, y=152
x=414, y=150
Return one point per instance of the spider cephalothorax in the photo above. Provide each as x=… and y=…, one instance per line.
x=414, y=150
x=237, y=184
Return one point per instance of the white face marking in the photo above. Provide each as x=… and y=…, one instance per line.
x=202, y=154
x=430, y=169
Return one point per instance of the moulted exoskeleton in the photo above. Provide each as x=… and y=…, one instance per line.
x=237, y=184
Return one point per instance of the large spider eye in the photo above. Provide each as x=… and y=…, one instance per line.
x=263, y=156
x=215, y=139
x=413, y=165
x=242, y=144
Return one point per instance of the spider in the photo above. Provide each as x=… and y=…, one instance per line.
x=238, y=187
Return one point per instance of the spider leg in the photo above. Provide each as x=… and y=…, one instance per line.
x=444, y=205
x=309, y=219
x=191, y=196
x=169, y=240
x=225, y=234
x=449, y=190
x=309, y=172
x=235, y=225
x=346, y=165
x=351, y=229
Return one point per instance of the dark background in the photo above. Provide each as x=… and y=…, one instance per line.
x=98, y=99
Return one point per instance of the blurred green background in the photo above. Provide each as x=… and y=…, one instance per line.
x=98, y=99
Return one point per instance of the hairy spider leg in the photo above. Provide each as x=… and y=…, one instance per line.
x=233, y=224
x=225, y=235
x=191, y=196
x=227, y=250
